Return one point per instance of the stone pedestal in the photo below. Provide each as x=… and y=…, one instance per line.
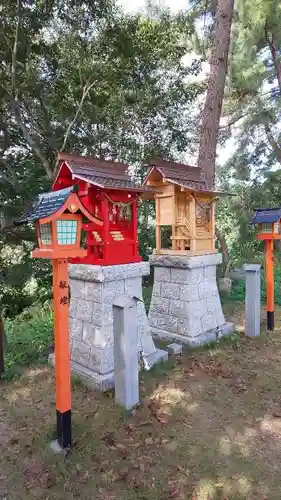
x=93, y=290
x=185, y=304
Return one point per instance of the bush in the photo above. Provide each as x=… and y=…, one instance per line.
x=29, y=337
x=238, y=290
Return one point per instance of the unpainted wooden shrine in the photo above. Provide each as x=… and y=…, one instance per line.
x=185, y=206
x=109, y=194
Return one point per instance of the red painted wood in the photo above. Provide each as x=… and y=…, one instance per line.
x=96, y=201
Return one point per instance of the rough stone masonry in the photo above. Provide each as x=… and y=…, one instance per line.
x=93, y=290
x=185, y=304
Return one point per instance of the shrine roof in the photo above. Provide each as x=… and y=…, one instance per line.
x=187, y=176
x=269, y=215
x=45, y=204
x=101, y=173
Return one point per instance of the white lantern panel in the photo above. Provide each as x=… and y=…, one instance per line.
x=66, y=232
x=46, y=234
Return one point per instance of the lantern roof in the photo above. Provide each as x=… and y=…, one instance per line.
x=45, y=204
x=187, y=176
x=54, y=204
x=269, y=215
x=104, y=174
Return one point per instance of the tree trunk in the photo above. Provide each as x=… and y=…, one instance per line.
x=215, y=91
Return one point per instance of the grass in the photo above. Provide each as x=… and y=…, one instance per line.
x=208, y=428
x=29, y=337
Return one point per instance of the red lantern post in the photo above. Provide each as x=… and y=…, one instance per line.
x=58, y=216
x=269, y=229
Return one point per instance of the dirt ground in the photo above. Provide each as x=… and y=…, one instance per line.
x=209, y=427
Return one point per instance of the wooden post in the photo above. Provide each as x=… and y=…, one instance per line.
x=269, y=283
x=192, y=222
x=158, y=227
x=213, y=228
x=135, y=226
x=174, y=243
x=105, y=214
x=62, y=354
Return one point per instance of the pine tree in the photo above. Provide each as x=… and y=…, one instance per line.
x=215, y=91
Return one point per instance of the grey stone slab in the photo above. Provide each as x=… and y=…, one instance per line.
x=253, y=300
x=77, y=288
x=178, y=308
x=197, y=341
x=170, y=290
x=190, y=327
x=112, y=289
x=94, y=291
x=174, y=348
x=102, y=314
x=84, y=310
x=72, y=307
x=108, y=273
x=126, y=364
x=179, y=275
x=132, y=287
x=166, y=321
x=101, y=360
x=182, y=261
x=80, y=353
x=209, y=322
x=93, y=380
x=197, y=276
x=159, y=305
x=189, y=293
x=95, y=336
x=159, y=356
x=75, y=328
x=156, y=289
x=162, y=274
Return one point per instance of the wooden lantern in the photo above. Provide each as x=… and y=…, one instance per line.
x=268, y=221
x=58, y=217
x=185, y=206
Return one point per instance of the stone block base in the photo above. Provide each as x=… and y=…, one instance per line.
x=93, y=290
x=185, y=304
x=203, y=339
x=103, y=382
x=174, y=349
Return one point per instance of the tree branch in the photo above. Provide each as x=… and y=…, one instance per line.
x=234, y=120
x=86, y=91
x=275, y=146
x=16, y=106
x=274, y=54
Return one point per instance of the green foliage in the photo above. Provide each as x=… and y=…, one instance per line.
x=29, y=337
x=238, y=291
x=88, y=79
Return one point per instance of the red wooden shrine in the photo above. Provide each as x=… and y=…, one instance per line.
x=109, y=194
